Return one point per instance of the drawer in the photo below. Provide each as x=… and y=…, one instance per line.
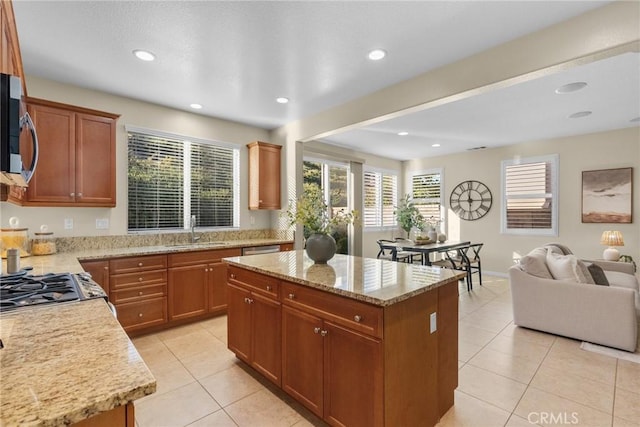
x=142, y=314
x=139, y=293
x=266, y=285
x=139, y=263
x=135, y=280
x=344, y=311
x=201, y=257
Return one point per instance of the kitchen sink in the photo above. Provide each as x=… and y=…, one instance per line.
x=196, y=245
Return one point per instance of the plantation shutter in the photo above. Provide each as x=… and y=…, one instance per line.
x=529, y=197
x=426, y=195
x=156, y=190
x=371, y=214
x=389, y=198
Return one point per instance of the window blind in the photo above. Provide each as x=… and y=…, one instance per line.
x=528, y=190
x=380, y=198
x=426, y=194
x=389, y=199
x=171, y=179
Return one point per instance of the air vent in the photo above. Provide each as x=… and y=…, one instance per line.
x=482, y=147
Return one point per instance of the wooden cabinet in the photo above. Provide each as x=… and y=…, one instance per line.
x=333, y=370
x=10, y=57
x=254, y=314
x=120, y=416
x=138, y=289
x=285, y=247
x=99, y=271
x=76, y=165
x=264, y=175
x=197, y=282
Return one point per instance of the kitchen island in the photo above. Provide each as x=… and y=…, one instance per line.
x=358, y=341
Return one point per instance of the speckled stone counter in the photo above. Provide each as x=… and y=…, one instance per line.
x=63, y=363
x=378, y=282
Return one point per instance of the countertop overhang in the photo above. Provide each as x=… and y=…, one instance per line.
x=375, y=281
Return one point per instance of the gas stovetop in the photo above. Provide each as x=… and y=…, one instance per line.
x=26, y=290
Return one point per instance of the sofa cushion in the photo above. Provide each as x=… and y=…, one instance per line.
x=535, y=263
x=563, y=267
x=622, y=280
x=598, y=275
x=584, y=274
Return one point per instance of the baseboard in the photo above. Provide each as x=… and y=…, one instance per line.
x=495, y=273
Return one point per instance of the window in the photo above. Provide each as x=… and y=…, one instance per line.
x=171, y=178
x=529, y=196
x=426, y=192
x=380, y=199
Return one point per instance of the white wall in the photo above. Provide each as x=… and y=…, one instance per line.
x=142, y=114
x=606, y=150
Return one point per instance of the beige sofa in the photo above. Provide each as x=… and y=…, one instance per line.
x=606, y=315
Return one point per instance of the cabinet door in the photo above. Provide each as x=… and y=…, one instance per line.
x=54, y=179
x=353, y=375
x=187, y=291
x=99, y=271
x=217, y=286
x=95, y=160
x=266, y=337
x=302, y=358
x=239, y=322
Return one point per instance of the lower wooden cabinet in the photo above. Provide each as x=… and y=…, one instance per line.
x=188, y=291
x=120, y=416
x=99, y=271
x=142, y=314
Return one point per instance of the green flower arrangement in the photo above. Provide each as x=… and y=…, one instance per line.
x=311, y=211
x=409, y=216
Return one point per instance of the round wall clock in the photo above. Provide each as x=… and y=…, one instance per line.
x=470, y=200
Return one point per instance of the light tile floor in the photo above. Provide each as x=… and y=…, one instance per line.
x=508, y=376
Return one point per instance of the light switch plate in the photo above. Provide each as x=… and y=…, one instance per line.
x=433, y=322
x=102, y=223
x=68, y=223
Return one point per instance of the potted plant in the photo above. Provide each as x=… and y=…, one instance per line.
x=408, y=215
x=311, y=211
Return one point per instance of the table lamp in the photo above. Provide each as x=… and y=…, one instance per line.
x=611, y=239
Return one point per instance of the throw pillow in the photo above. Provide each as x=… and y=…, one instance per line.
x=562, y=267
x=597, y=273
x=583, y=273
x=535, y=266
x=562, y=248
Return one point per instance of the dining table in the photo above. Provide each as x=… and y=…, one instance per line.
x=424, y=249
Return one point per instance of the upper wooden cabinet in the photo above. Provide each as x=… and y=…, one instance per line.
x=76, y=165
x=264, y=175
x=10, y=58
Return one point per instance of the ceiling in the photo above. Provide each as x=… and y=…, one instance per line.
x=236, y=57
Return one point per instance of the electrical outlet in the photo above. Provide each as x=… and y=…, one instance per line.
x=102, y=223
x=433, y=322
x=68, y=223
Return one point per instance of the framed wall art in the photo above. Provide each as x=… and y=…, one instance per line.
x=607, y=196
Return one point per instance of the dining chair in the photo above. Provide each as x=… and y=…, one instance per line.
x=457, y=258
x=401, y=256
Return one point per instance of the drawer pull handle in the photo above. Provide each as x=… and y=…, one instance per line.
x=139, y=314
x=139, y=279
x=316, y=330
x=357, y=318
x=268, y=288
x=139, y=264
x=106, y=268
x=324, y=333
x=292, y=296
x=233, y=276
x=250, y=300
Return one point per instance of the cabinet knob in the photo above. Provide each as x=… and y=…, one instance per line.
x=139, y=314
x=140, y=293
x=324, y=333
x=139, y=279
x=292, y=296
x=316, y=330
x=233, y=276
x=357, y=318
x=72, y=195
x=79, y=194
x=139, y=264
x=250, y=300
x=206, y=269
x=106, y=268
x=268, y=288
x=259, y=201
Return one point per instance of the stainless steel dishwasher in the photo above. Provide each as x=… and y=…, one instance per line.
x=256, y=250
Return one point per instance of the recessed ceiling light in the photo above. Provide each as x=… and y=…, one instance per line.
x=403, y=133
x=144, y=55
x=580, y=114
x=195, y=106
x=636, y=119
x=377, y=54
x=435, y=145
x=571, y=87
x=282, y=100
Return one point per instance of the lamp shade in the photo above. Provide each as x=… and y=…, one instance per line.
x=611, y=238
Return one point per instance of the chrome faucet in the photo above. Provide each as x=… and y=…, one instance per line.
x=194, y=238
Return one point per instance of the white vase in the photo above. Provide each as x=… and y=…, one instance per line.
x=432, y=234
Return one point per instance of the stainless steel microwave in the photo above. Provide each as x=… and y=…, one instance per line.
x=13, y=171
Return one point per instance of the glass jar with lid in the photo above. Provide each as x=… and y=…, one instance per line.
x=43, y=242
x=15, y=238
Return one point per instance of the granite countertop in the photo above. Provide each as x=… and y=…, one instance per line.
x=376, y=281
x=68, y=262
x=63, y=363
